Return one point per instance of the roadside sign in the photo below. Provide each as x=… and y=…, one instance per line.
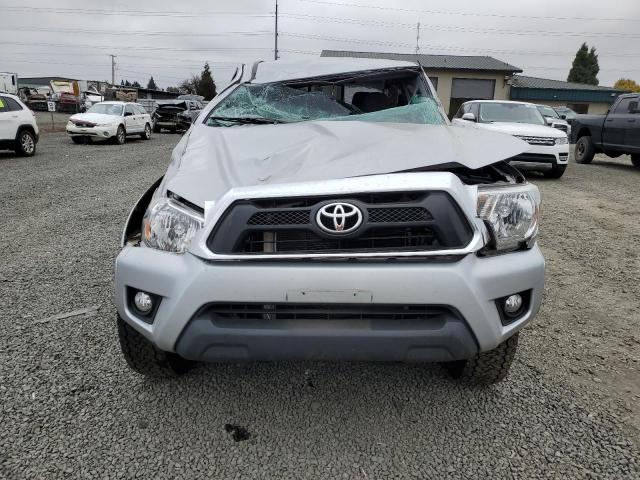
x=51, y=106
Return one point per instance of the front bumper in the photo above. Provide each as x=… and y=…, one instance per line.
x=94, y=132
x=469, y=287
x=550, y=155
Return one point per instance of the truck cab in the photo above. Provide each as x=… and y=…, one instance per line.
x=614, y=134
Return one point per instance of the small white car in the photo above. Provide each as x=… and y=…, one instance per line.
x=548, y=146
x=18, y=127
x=110, y=121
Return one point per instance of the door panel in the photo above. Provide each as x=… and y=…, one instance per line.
x=615, y=125
x=7, y=121
x=130, y=121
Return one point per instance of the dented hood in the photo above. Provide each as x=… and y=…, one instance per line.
x=216, y=159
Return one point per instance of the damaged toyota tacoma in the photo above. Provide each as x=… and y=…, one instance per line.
x=327, y=210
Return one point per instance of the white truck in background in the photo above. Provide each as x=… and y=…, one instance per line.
x=9, y=83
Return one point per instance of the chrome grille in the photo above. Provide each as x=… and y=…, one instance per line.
x=546, y=141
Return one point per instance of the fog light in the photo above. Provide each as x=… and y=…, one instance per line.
x=144, y=303
x=512, y=304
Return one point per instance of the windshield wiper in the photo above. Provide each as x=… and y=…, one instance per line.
x=246, y=120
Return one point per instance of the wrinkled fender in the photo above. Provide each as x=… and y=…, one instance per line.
x=134, y=221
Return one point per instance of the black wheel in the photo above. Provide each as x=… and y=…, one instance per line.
x=173, y=130
x=584, y=150
x=486, y=367
x=635, y=159
x=121, y=136
x=156, y=128
x=144, y=358
x=26, y=144
x=146, y=135
x=78, y=140
x=555, y=172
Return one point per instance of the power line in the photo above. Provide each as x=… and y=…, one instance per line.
x=146, y=13
x=115, y=47
x=470, y=14
x=462, y=29
x=136, y=32
x=439, y=47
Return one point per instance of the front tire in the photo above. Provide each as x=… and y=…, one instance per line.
x=585, y=150
x=26, y=144
x=555, y=172
x=79, y=140
x=156, y=128
x=121, y=136
x=144, y=358
x=486, y=368
x=635, y=160
x=146, y=135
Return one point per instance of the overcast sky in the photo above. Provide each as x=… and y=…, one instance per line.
x=170, y=39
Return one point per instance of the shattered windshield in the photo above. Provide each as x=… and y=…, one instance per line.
x=398, y=98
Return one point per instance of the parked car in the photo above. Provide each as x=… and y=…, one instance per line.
x=614, y=134
x=110, y=121
x=553, y=119
x=327, y=210
x=549, y=147
x=18, y=128
x=175, y=115
x=565, y=113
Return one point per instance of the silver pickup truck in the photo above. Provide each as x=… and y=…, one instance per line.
x=327, y=210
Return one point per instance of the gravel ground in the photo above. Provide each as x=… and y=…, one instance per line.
x=71, y=408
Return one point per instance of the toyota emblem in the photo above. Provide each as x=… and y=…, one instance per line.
x=339, y=217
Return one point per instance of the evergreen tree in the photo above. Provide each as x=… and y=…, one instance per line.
x=136, y=84
x=152, y=84
x=206, y=86
x=585, y=66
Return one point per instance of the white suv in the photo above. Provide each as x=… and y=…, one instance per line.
x=549, y=146
x=18, y=127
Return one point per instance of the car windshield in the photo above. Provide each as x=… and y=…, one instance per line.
x=510, y=112
x=548, y=111
x=106, y=108
x=567, y=112
x=394, y=97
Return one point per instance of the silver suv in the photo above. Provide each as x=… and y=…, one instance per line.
x=328, y=211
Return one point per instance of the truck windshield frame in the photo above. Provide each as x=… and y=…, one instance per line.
x=392, y=96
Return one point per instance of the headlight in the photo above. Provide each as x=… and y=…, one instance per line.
x=511, y=214
x=562, y=141
x=169, y=226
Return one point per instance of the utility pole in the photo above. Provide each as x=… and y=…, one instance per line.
x=275, y=49
x=113, y=69
x=418, y=38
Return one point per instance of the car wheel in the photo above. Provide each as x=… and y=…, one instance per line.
x=121, y=136
x=486, y=368
x=156, y=128
x=26, y=144
x=584, y=150
x=144, y=358
x=555, y=172
x=635, y=159
x=78, y=140
x=146, y=135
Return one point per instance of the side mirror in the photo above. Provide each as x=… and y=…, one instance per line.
x=470, y=117
x=563, y=117
x=549, y=120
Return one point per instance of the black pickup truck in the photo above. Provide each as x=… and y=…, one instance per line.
x=614, y=134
